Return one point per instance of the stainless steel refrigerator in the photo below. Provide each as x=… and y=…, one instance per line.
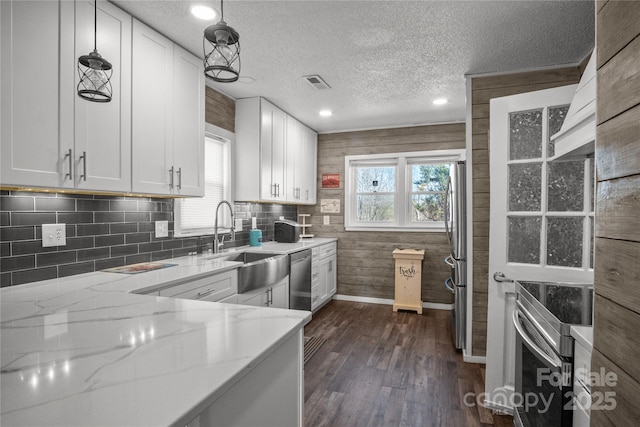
x=456, y=229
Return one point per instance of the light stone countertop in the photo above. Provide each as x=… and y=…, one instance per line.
x=84, y=350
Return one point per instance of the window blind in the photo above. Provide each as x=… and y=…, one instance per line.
x=197, y=215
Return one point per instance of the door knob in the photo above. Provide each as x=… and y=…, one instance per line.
x=499, y=276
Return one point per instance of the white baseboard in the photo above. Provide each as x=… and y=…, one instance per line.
x=498, y=407
x=384, y=301
x=473, y=359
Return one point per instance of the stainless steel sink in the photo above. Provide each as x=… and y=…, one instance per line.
x=260, y=269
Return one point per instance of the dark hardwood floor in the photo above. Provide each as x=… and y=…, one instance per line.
x=380, y=368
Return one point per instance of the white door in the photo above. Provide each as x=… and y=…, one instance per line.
x=152, y=112
x=188, y=123
x=309, y=166
x=30, y=109
x=102, y=152
x=280, y=294
x=541, y=219
x=272, y=147
x=294, y=160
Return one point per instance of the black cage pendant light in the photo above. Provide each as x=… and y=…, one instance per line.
x=221, y=45
x=95, y=71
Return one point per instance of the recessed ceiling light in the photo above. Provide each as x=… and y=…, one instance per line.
x=203, y=12
x=326, y=113
x=440, y=101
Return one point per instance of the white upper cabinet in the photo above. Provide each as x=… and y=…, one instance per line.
x=273, y=131
x=102, y=131
x=50, y=137
x=168, y=116
x=301, y=163
x=275, y=158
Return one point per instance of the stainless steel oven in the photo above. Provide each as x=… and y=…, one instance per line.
x=544, y=350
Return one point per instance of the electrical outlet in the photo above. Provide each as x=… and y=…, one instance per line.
x=54, y=235
x=254, y=222
x=326, y=220
x=238, y=225
x=162, y=228
x=280, y=217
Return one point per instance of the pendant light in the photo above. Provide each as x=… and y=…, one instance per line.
x=222, y=62
x=94, y=71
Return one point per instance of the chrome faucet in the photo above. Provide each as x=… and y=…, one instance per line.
x=216, y=244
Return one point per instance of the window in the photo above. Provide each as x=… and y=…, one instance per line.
x=196, y=216
x=400, y=191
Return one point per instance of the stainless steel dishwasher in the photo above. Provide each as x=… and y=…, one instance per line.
x=300, y=280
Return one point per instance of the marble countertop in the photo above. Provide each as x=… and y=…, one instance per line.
x=85, y=350
x=583, y=335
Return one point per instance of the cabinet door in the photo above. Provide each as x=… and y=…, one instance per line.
x=152, y=112
x=294, y=160
x=309, y=167
x=272, y=146
x=233, y=299
x=331, y=276
x=30, y=75
x=280, y=294
x=102, y=153
x=257, y=298
x=188, y=123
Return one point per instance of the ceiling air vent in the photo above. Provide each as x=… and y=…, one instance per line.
x=317, y=82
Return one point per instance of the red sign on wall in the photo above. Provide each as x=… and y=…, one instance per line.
x=330, y=180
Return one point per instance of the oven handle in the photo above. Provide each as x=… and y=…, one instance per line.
x=555, y=361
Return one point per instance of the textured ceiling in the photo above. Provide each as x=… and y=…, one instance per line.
x=385, y=60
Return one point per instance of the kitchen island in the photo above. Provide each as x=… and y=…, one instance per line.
x=84, y=350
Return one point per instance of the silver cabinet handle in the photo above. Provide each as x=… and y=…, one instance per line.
x=278, y=189
x=84, y=166
x=70, y=156
x=499, y=277
x=273, y=192
x=171, y=177
x=179, y=178
x=205, y=293
x=307, y=194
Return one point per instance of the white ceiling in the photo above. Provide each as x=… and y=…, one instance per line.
x=385, y=60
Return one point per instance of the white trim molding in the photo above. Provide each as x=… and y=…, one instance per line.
x=385, y=301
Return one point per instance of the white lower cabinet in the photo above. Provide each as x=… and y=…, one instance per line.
x=276, y=296
x=233, y=299
x=323, y=274
x=270, y=394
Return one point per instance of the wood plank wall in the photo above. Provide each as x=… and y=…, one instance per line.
x=365, y=263
x=617, y=271
x=484, y=89
x=220, y=110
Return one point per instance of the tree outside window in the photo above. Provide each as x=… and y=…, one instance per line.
x=428, y=191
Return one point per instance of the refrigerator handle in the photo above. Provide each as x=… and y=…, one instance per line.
x=446, y=212
x=449, y=261
x=449, y=286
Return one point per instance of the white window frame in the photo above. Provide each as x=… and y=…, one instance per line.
x=402, y=207
x=220, y=134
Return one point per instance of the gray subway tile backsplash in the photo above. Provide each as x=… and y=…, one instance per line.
x=102, y=232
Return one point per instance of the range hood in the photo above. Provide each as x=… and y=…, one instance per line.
x=576, y=139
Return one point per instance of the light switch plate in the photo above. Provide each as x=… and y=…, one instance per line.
x=326, y=220
x=54, y=235
x=162, y=228
x=238, y=225
x=254, y=223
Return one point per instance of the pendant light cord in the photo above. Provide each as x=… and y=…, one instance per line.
x=95, y=25
x=222, y=10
